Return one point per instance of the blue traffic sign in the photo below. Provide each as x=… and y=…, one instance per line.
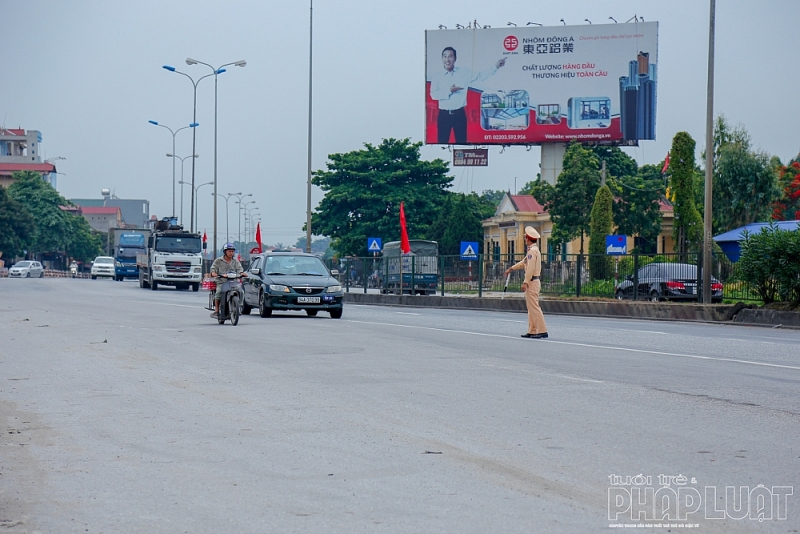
x=374, y=244
x=616, y=245
x=469, y=250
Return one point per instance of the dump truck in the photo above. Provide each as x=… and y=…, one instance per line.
x=173, y=257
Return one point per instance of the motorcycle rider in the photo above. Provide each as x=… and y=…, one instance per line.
x=73, y=268
x=223, y=265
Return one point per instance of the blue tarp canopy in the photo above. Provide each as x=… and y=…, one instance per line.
x=729, y=241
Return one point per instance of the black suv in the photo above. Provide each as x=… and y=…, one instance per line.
x=667, y=281
x=291, y=281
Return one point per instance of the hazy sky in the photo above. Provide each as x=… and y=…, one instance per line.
x=88, y=75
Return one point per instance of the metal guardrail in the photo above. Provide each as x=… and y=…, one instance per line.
x=569, y=275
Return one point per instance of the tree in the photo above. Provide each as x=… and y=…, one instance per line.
x=787, y=208
x=637, y=211
x=745, y=182
x=488, y=202
x=570, y=203
x=56, y=229
x=16, y=227
x=459, y=220
x=688, y=228
x=364, y=188
x=618, y=163
x=601, y=222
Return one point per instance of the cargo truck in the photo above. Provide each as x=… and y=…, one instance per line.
x=173, y=257
x=416, y=273
x=128, y=244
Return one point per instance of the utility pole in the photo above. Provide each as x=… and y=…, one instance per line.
x=707, y=209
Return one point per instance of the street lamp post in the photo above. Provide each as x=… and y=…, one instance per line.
x=239, y=198
x=249, y=214
x=193, y=125
x=181, y=181
x=194, y=132
x=310, y=72
x=243, y=207
x=216, y=72
x=194, y=194
x=226, y=197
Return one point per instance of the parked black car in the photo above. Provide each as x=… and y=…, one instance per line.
x=667, y=281
x=291, y=281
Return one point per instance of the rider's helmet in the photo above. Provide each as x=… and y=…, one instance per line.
x=228, y=246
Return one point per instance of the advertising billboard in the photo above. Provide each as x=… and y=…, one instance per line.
x=534, y=85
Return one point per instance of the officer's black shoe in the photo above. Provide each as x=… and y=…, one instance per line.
x=543, y=335
x=528, y=335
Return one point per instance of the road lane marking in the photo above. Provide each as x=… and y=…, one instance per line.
x=588, y=345
x=168, y=304
x=406, y=313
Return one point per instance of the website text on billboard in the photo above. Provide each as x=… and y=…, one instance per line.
x=542, y=85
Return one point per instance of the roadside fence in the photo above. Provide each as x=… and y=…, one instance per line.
x=566, y=275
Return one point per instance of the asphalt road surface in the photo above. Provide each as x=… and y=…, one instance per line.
x=129, y=410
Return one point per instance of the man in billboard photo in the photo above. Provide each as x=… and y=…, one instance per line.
x=449, y=87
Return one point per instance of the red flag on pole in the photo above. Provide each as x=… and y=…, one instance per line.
x=666, y=165
x=258, y=236
x=405, y=246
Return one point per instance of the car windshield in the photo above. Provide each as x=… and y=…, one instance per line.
x=130, y=252
x=179, y=244
x=104, y=259
x=23, y=264
x=295, y=265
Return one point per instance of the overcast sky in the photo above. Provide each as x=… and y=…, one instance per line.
x=88, y=75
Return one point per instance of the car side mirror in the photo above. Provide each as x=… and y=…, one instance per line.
x=255, y=271
x=334, y=272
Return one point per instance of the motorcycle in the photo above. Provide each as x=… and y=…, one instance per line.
x=73, y=270
x=230, y=299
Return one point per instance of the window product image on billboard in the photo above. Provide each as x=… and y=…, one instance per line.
x=595, y=83
x=505, y=111
x=590, y=112
x=548, y=114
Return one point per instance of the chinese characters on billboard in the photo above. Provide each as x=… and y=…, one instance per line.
x=542, y=85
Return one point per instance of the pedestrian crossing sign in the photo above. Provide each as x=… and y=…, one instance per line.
x=469, y=250
x=374, y=244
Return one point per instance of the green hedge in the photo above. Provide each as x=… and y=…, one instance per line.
x=770, y=261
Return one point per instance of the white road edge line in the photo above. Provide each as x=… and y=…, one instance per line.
x=624, y=349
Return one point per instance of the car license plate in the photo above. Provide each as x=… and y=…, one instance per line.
x=308, y=300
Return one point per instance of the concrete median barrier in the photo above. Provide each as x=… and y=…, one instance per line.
x=625, y=309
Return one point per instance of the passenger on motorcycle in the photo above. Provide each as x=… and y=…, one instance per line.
x=223, y=265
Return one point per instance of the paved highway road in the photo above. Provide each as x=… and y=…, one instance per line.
x=128, y=410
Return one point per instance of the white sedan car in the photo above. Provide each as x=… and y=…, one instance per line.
x=103, y=266
x=26, y=269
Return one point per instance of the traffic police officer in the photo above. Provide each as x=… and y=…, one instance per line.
x=532, y=263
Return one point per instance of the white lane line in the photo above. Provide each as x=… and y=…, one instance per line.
x=623, y=349
x=406, y=313
x=580, y=379
x=510, y=321
x=648, y=332
x=168, y=304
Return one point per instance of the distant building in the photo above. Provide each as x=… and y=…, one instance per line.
x=503, y=234
x=134, y=213
x=102, y=218
x=19, y=151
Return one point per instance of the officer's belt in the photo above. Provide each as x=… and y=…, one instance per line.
x=534, y=277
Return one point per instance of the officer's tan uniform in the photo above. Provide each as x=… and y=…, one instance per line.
x=532, y=263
